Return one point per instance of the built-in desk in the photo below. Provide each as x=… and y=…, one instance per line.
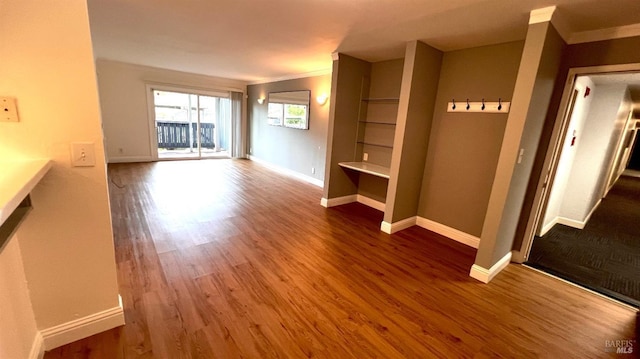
x=365, y=167
x=17, y=180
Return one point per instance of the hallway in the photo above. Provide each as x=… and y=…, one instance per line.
x=605, y=255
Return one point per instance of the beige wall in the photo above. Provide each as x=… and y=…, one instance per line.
x=464, y=148
x=413, y=127
x=539, y=67
x=17, y=322
x=346, y=90
x=123, y=98
x=296, y=150
x=384, y=82
x=66, y=242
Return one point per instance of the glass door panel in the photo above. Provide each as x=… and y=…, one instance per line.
x=191, y=125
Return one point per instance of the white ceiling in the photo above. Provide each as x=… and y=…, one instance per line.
x=254, y=40
x=631, y=79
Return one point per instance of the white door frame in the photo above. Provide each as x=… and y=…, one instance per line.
x=553, y=151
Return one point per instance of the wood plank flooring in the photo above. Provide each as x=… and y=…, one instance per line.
x=227, y=259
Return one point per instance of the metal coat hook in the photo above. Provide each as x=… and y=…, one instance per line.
x=499, y=104
x=453, y=107
x=468, y=106
x=482, y=108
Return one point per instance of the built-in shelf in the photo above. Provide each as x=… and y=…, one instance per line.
x=375, y=144
x=379, y=123
x=366, y=167
x=382, y=99
x=17, y=179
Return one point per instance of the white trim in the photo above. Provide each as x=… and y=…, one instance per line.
x=81, y=328
x=287, y=172
x=452, y=233
x=37, y=348
x=292, y=76
x=548, y=227
x=214, y=90
x=486, y=275
x=338, y=201
x=390, y=228
x=130, y=159
x=541, y=15
x=579, y=224
x=604, y=34
x=380, y=206
x=571, y=222
x=151, y=122
x=335, y=55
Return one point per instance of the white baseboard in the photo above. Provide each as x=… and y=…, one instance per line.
x=548, y=227
x=129, y=159
x=81, y=328
x=579, y=224
x=37, y=348
x=394, y=227
x=571, y=222
x=288, y=172
x=338, y=201
x=486, y=275
x=456, y=235
x=380, y=206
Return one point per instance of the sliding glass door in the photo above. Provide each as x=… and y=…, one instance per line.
x=191, y=125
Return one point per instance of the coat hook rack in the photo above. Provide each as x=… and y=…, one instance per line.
x=480, y=106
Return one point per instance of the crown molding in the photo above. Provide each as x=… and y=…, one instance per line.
x=541, y=15
x=605, y=34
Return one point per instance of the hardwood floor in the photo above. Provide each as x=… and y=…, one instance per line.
x=227, y=259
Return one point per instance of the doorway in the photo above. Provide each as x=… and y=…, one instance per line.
x=586, y=228
x=190, y=125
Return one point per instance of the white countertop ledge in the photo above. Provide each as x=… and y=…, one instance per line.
x=17, y=180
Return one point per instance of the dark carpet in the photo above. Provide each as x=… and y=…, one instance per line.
x=605, y=255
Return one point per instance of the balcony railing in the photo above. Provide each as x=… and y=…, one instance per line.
x=174, y=135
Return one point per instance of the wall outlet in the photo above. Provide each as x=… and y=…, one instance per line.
x=8, y=110
x=83, y=154
x=313, y=170
x=365, y=156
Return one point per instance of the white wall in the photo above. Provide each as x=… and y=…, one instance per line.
x=17, y=323
x=594, y=153
x=66, y=242
x=568, y=152
x=123, y=98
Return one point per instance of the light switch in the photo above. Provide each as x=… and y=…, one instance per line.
x=8, y=110
x=83, y=154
